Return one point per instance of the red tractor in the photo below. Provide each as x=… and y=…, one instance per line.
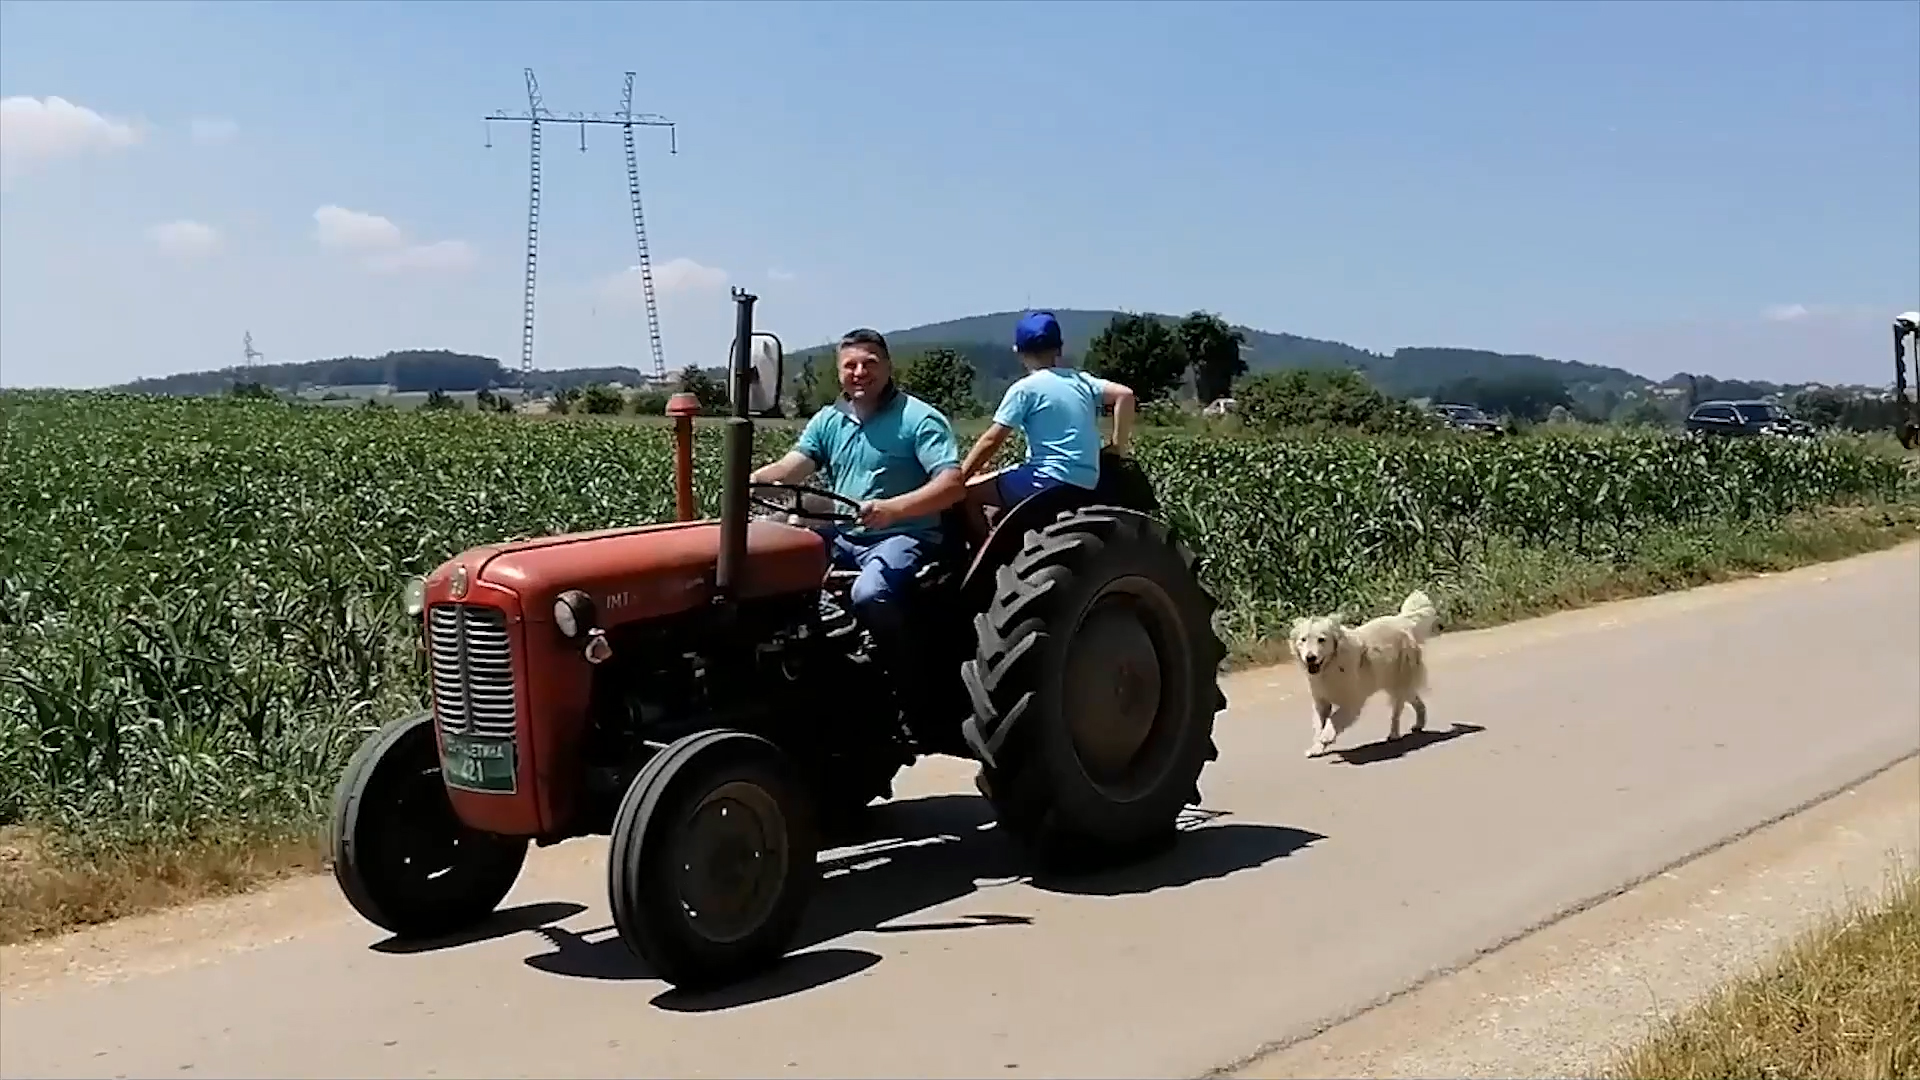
x=697, y=691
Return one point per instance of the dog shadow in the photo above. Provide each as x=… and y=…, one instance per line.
x=1374, y=753
x=923, y=853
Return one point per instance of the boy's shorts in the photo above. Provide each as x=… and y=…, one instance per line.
x=1020, y=482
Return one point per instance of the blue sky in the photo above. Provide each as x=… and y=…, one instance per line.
x=1730, y=188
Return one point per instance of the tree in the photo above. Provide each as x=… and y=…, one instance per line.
x=942, y=379
x=1641, y=411
x=1141, y=351
x=1322, y=398
x=251, y=390
x=1213, y=349
x=806, y=386
x=599, y=399
x=709, y=391
x=440, y=399
x=649, y=403
x=1521, y=396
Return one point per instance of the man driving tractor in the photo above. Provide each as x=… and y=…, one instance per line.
x=896, y=456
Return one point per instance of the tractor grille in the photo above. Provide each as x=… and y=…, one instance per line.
x=472, y=661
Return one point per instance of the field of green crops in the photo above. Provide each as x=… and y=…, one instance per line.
x=200, y=600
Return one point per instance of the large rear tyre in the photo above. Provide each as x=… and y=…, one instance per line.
x=712, y=859
x=404, y=859
x=1094, y=687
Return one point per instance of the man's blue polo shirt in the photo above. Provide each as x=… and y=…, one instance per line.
x=896, y=450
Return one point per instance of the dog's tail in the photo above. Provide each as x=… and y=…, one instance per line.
x=1419, y=608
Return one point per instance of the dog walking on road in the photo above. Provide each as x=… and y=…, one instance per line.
x=1346, y=666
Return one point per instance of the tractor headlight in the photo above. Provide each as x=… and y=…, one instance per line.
x=573, y=612
x=414, y=597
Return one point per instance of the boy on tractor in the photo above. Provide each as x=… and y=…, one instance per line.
x=1057, y=411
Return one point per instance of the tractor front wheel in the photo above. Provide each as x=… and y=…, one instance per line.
x=1095, y=686
x=404, y=859
x=712, y=859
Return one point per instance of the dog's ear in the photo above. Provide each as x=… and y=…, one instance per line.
x=1300, y=627
x=1338, y=619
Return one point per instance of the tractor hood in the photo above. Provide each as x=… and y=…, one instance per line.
x=644, y=572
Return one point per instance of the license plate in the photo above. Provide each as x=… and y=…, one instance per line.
x=474, y=763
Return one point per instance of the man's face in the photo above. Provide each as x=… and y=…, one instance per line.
x=863, y=371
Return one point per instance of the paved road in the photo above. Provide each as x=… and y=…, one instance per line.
x=1591, y=749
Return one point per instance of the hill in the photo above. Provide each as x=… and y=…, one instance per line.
x=986, y=342
x=407, y=371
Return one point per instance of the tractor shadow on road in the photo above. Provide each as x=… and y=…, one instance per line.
x=1374, y=753
x=918, y=854
x=502, y=923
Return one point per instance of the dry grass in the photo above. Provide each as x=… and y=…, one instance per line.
x=1844, y=1002
x=45, y=889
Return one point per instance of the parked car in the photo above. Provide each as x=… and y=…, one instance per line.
x=1742, y=418
x=1467, y=418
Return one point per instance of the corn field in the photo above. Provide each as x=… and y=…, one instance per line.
x=200, y=608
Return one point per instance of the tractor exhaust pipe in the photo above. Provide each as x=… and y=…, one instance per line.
x=739, y=453
x=1907, y=413
x=683, y=407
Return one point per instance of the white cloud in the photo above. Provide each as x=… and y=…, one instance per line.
x=340, y=229
x=441, y=255
x=675, y=277
x=185, y=239
x=780, y=275
x=36, y=131
x=212, y=131
x=384, y=245
x=1786, y=313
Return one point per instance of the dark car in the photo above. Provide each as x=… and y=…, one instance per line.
x=1739, y=418
x=1467, y=418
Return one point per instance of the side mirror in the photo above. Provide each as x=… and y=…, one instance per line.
x=766, y=363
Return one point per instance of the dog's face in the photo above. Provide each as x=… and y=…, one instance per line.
x=1315, y=641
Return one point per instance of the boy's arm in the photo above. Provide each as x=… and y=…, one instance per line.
x=1120, y=397
x=1011, y=414
x=984, y=447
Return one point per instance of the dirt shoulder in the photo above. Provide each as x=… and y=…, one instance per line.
x=1563, y=1001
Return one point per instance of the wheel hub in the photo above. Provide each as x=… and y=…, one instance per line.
x=1113, y=688
x=731, y=861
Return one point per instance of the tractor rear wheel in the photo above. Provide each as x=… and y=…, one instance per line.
x=712, y=859
x=404, y=859
x=1094, y=687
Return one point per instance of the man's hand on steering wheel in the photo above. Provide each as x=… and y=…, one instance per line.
x=798, y=493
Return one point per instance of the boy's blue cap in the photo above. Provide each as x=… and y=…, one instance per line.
x=1038, y=331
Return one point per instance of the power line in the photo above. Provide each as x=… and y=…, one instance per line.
x=626, y=119
x=252, y=354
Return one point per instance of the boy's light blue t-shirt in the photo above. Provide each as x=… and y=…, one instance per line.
x=905, y=443
x=1058, y=411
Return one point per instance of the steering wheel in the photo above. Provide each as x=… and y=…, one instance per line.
x=799, y=491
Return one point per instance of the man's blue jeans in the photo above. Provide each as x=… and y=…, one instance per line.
x=887, y=565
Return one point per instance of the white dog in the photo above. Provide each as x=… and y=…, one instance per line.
x=1346, y=666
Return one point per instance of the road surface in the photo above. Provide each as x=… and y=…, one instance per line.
x=1589, y=750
